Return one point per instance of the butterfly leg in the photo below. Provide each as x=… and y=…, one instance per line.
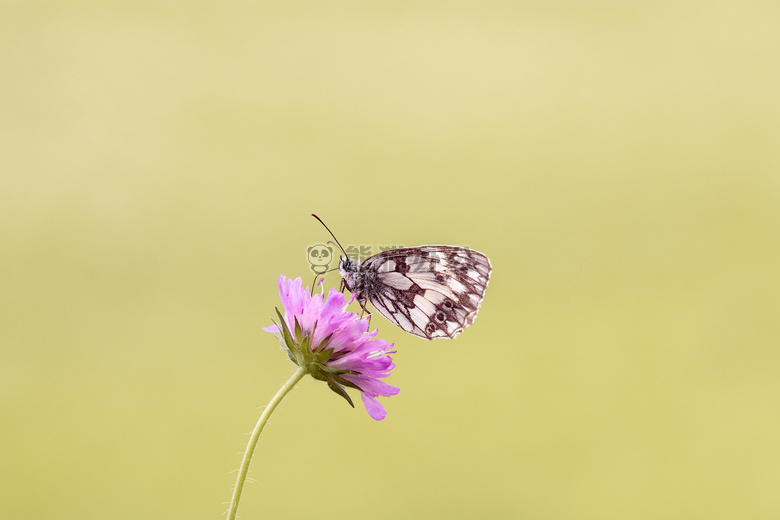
x=317, y=275
x=314, y=283
x=363, y=311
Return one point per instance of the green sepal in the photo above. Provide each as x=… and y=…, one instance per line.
x=280, y=338
x=340, y=380
x=324, y=343
x=298, y=330
x=289, y=355
x=333, y=385
x=317, y=371
x=322, y=356
x=293, y=350
x=284, y=345
x=285, y=329
x=306, y=344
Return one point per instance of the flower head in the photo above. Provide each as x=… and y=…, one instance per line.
x=334, y=345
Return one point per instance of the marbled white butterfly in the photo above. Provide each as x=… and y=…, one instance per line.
x=430, y=291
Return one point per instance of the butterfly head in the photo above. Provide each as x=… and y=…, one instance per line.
x=346, y=265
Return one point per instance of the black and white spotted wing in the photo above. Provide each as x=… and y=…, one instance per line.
x=429, y=291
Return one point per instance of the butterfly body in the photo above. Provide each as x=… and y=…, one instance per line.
x=430, y=291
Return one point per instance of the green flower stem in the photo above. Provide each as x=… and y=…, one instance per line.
x=250, y=448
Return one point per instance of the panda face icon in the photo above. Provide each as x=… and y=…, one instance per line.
x=319, y=256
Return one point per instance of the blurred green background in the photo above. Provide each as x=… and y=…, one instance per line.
x=618, y=161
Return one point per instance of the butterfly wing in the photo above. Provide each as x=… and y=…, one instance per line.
x=430, y=291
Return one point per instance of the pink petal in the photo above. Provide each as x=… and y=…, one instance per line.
x=373, y=407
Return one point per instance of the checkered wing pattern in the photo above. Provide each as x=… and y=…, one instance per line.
x=430, y=291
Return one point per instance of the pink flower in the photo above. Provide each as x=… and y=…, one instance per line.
x=334, y=345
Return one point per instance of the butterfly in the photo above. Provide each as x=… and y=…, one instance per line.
x=430, y=291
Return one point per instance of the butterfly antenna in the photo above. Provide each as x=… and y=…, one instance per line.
x=331, y=233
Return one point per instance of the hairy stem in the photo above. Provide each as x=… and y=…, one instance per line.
x=250, y=448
